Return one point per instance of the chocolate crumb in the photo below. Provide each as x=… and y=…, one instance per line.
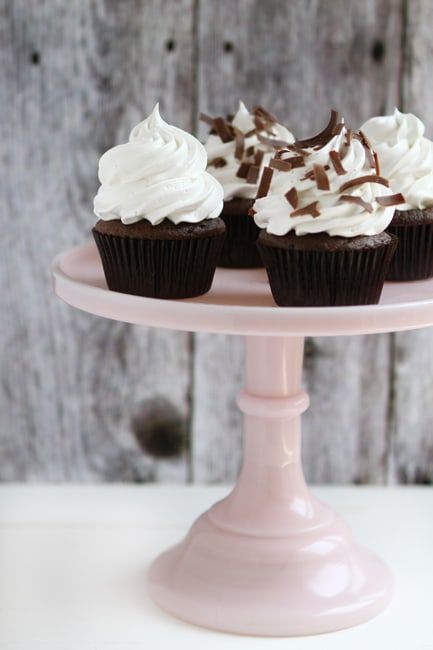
x=321, y=177
x=336, y=161
x=217, y=162
x=348, y=198
x=265, y=182
x=364, y=179
x=390, y=199
x=292, y=197
x=311, y=208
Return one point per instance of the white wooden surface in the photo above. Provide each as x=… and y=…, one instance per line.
x=73, y=562
x=74, y=78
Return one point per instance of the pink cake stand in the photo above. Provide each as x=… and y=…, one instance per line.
x=269, y=559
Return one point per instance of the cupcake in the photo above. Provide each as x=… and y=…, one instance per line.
x=158, y=234
x=323, y=211
x=238, y=149
x=406, y=159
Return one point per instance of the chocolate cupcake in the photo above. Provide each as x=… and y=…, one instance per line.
x=406, y=159
x=158, y=234
x=238, y=148
x=323, y=210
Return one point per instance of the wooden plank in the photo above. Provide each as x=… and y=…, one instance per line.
x=412, y=413
x=299, y=59
x=75, y=77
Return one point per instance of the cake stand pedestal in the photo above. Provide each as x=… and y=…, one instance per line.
x=269, y=559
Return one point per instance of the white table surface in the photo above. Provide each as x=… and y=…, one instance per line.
x=73, y=562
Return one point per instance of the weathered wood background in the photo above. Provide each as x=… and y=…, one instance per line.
x=79, y=393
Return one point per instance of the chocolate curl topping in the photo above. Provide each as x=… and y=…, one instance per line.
x=321, y=177
x=295, y=161
x=206, y=118
x=262, y=112
x=292, y=197
x=364, y=179
x=338, y=128
x=258, y=157
x=240, y=144
x=348, y=198
x=367, y=147
x=222, y=128
x=376, y=163
x=324, y=135
x=308, y=209
x=336, y=161
x=281, y=165
x=253, y=174
x=243, y=170
x=390, y=199
x=265, y=182
x=270, y=142
x=218, y=162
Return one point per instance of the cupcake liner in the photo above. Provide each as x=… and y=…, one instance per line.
x=318, y=278
x=239, y=249
x=159, y=268
x=413, y=259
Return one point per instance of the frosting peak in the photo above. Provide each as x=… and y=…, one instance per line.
x=329, y=183
x=406, y=156
x=227, y=150
x=159, y=173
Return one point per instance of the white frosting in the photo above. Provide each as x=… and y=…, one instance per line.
x=160, y=173
x=233, y=185
x=405, y=155
x=273, y=212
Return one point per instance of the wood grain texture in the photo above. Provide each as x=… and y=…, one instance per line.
x=299, y=59
x=75, y=77
x=411, y=419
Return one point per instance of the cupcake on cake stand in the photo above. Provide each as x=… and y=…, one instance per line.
x=269, y=559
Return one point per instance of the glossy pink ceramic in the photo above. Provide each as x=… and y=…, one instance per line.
x=270, y=559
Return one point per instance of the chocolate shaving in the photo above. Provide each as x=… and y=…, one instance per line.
x=376, y=163
x=240, y=144
x=258, y=157
x=217, y=162
x=295, y=161
x=243, y=170
x=265, y=182
x=390, y=199
x=281, y=165
x=324, y=135
x=260, y=124
x=253, y=174
x=249, y=151
x=364, y=179
x=338, y=128
x=222, y=129
x=349, y=134
x=292, y=197
x=348, y=198
x=308, y=209
x=336, y=161
x=321, y=177
x=248, y=134
x=296, y=149
x=367, y=148
x=270, y=142
x=206, y=118
x=262, y=112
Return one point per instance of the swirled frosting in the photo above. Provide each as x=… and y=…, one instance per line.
x=159, y=174
x=227, y=168
x=406, y=156
x=324, y=187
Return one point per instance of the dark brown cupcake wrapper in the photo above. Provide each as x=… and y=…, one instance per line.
x=181, y=268
x=315, y=278
x=413, y=259
x=239, y=249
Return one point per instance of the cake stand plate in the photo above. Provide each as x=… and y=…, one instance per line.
x=269, y=559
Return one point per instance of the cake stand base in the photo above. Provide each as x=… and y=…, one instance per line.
x=270, y=559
